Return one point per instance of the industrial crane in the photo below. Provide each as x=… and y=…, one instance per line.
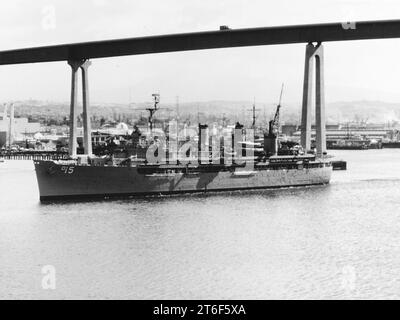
x=274, y=124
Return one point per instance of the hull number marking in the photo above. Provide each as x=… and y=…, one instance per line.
x=67, y=170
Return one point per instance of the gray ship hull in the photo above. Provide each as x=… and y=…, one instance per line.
x=70, y=181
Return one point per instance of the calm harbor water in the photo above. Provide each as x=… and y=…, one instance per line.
x=336, y=241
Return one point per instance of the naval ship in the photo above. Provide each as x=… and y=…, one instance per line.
x=98, y=177
x=69, y=180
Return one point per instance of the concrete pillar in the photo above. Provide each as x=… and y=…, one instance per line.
x=320, y=103
x=305, y=138
x=313, y=53
x=87, y=134
x=73, y=143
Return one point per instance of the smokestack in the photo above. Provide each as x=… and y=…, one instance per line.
x=203, y=151
x=270, y=142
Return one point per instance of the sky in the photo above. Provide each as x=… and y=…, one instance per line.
x=356, y=70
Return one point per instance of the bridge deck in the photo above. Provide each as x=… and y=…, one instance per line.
x=205, y=40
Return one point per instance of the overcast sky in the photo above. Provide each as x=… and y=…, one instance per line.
x=358, y=70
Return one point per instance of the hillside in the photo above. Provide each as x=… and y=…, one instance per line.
x=360, y=111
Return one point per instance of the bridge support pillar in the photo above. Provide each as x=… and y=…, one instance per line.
x=314, y=54
x=87, y=140
x=87, y=133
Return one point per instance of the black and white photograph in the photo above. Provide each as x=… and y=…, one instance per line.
x=198, y=150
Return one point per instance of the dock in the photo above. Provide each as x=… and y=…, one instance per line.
x=34, y=155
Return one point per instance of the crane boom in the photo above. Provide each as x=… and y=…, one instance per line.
x=275, y=122
x=280, y=97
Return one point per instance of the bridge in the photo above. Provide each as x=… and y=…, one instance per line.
x=78, y=56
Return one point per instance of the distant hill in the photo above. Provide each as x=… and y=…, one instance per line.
x=367, y=111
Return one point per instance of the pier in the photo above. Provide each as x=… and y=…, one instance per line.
x=35, y=155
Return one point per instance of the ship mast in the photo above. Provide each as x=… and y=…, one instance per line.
x=153, y=110
x=253, y=124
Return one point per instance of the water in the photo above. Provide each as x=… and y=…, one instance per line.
x=336, y=241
